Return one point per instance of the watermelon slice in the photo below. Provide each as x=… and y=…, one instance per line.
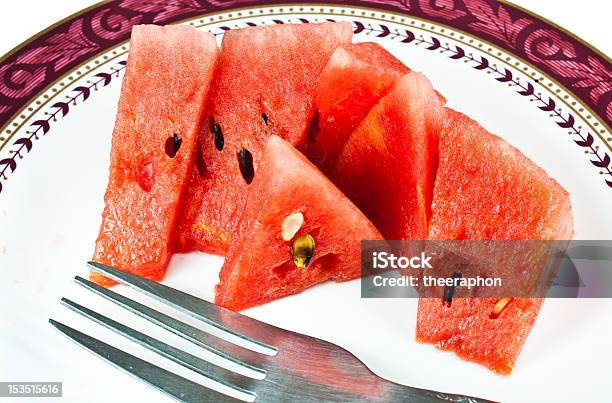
x=266, y=84
x=260, y=266
x=354, y=80
x=387, y=165
x=486, y=189
x=161, y=104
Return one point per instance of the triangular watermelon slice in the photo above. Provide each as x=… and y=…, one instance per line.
x=387, y=165
x=354, y=80
x=160, y=108
x=265, y=84
x=487, y=190
x=291, y=203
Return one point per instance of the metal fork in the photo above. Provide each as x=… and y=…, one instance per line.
x=269, y=364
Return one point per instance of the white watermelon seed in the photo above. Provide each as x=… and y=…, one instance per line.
x=500, y=305
x=291, y=225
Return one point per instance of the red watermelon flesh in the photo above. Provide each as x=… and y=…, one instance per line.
x=259, y=266
x=161, y=104
x=466, y=327
x=354, y=80
x=387, y=166
x=487, y=190
x=266, y=84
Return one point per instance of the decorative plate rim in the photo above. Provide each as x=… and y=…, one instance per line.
x=37, y=65
x=576, y=65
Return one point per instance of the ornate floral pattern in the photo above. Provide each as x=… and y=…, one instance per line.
x=524, y=88
x=496, y=22
x=40, y=62
x=446, y=9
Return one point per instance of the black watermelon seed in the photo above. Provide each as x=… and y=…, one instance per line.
x=450, y=291
x=219, y=140
x=173, y=143
x=265, y=118
x=313, y=128
x=245, y=162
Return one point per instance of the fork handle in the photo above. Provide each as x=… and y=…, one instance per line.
x=402, y=393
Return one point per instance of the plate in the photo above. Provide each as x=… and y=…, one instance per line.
x=520, y=76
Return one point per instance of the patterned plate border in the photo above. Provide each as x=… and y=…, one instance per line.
x=39, y=62
x=36, y=65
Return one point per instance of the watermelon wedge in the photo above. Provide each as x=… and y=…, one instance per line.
x=486, y=189
x=298, y=230
x=266, y=84
x=387, y=165
x=354, y=80
x=161, y=104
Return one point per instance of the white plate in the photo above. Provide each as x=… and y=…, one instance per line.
x=50, y=211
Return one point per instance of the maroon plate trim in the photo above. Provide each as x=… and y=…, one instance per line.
x=525, y=88
x=38, y=63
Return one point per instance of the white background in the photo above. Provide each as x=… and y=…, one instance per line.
x=588, y=19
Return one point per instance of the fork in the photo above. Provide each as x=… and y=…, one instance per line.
x=262, y=362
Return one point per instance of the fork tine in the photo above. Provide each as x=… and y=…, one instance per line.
x=182, y=329
x=193, y=306
x=165, y=381
x=179, y=356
